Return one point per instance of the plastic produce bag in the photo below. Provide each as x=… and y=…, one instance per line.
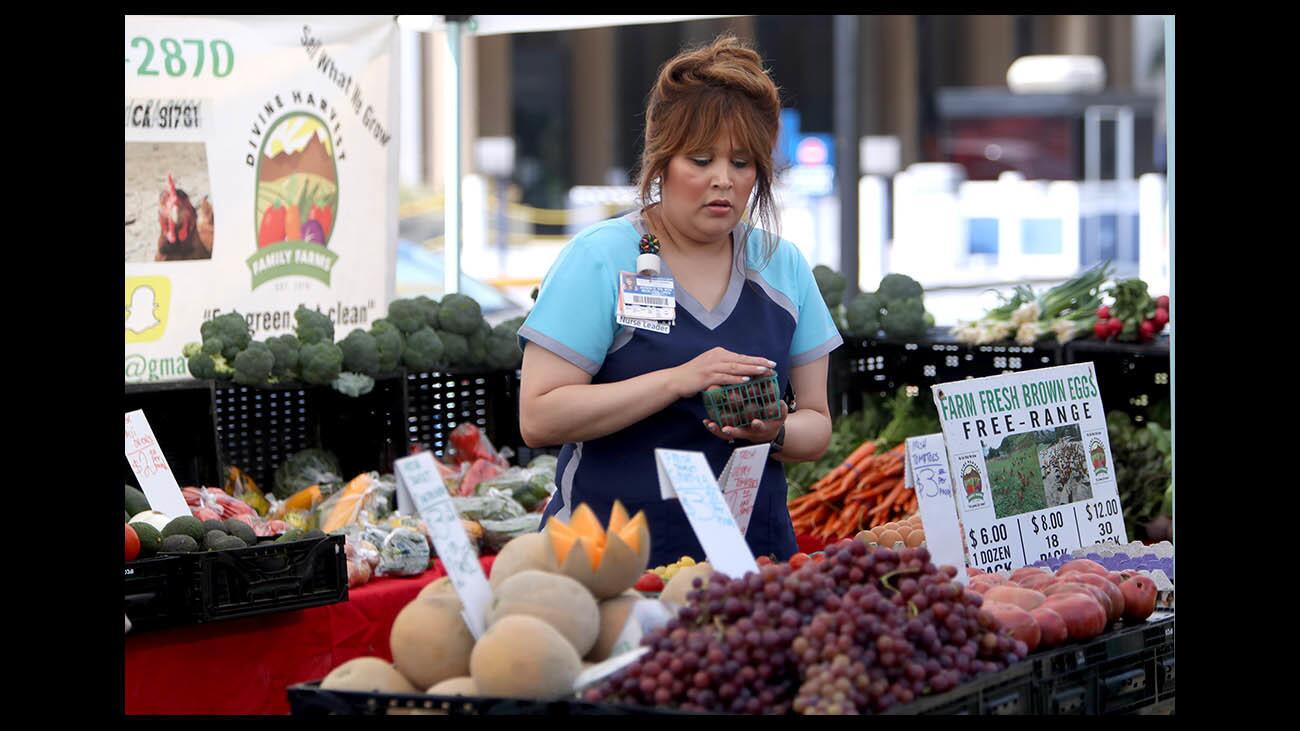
x=527, y=486
x=497, y=533
x=492, y=506
x=405, y=553
x=369, y=493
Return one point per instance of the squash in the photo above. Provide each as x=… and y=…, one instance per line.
x=305, y=499
x=346, y=506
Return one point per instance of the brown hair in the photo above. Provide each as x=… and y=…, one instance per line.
x=700, y=91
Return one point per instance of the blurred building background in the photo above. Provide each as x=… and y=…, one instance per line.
x=964, y=184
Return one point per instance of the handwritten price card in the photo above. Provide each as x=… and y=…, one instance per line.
x=927, y=463
x=687, y=477
x=151, y=468
x=419, y=476
x=740, y=479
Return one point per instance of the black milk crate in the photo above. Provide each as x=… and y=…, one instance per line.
x=262, y=426
x=154, y=591
x=437, y=402
x=181, y=415
x=267, y=577
x=1006, y=693
x=1133, y=377
x=882, y=365
x=995, y=359
x=1119, y=672
x=307, y=699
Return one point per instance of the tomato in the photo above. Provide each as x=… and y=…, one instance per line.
x=799, y=559
x=132, y=543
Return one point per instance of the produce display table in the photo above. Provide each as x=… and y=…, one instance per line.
x=243, y=666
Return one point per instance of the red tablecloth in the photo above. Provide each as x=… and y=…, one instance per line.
x=243, y=666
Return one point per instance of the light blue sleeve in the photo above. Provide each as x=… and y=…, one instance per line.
x=574, y=313
x=815, y=333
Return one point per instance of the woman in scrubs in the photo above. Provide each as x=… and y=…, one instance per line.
x=746, y=305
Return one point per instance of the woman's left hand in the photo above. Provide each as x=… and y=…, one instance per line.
x=758, y=431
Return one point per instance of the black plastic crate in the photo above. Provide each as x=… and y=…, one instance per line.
x=268, y=577
x=436, y=403
x=365, y=432
x=1133, y=377
x=307, y=699
x=154, y=592
x=996, y=359
x=1006, y=693
x=1124, y=640
x=1122, y=671
x=882, y=366
x=260, y=427
x=181, y=415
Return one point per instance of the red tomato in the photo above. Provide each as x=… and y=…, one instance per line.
x=799, y=559
x=132, y=544
x=650, y=582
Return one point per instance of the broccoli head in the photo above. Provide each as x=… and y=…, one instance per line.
x=231, y=329
x=503, y=352
x=320, y=362
x=904, y=319
x=424, y=350
x=862, y=315
x=407, y=315
x=253, y=365
x=831, y=284
x=478, y=344
x=360, y=353
x=509, y=327
x=388, y=342
x=455, y=348
x=430, y=310
x=353, y=384
x=202, y=364
x=314, y=326
x=459, y=314
x=285, y=349
x=898, y=287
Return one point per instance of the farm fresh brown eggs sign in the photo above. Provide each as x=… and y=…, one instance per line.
x=1032, y=455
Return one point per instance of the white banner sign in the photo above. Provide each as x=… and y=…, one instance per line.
x=261, y=165
x=1032, y=463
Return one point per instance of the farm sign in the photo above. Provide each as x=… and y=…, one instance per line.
x=1033, y=460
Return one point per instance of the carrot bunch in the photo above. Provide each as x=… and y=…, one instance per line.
x=866, y=489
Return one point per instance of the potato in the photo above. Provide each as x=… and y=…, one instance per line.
x=1139, y=598
x=1054, y=631
x=1083, y=564
x=1036, y=582
x=1024, y=571
x=1084, y=616
x=1078, y=587
x=1113, y=593
x=1026, y=599
x=1017, y=621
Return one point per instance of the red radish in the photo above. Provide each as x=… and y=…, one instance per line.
x=1116, y=326
x=1101, y=330
x=1103, y=313
x=1163, y=302
x=1162, y=317
x=1147, y=330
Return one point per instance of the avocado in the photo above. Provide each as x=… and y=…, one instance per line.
x=313, y=534
x=241, y=529
x=179, y=543
x=292, y=534
x=221, y=544
x=136, y=502
x=187, y=525
x=214, y=524
x=150, y=538
x=211, y=537
x=128, y=516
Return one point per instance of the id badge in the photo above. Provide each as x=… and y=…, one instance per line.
x=646, y=298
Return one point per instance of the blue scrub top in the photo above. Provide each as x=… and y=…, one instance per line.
x=774, y=312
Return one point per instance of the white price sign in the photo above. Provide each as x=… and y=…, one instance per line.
x=418, y=475
x=1031, y=460
x=927, y=470
x=740, y=479
x=151, y=468
x=687, y=477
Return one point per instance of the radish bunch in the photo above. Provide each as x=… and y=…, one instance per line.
x=1134, y=316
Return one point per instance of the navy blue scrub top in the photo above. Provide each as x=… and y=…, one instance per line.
x=775, y=312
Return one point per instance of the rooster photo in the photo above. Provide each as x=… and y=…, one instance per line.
x=169, y=214
x=1037, y=470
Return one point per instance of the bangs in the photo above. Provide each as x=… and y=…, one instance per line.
x=717, y=115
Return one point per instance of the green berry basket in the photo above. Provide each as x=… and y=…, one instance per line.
x=740, y=403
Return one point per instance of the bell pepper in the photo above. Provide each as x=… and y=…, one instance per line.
x=272, y=228
x=322, y=215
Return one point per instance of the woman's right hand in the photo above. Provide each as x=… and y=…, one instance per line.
x=717, y=367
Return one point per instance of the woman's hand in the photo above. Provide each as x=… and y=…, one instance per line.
x=717, y=367
x=757, y=431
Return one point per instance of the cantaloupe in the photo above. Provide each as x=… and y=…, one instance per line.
x=430, y=641
x=520, y=554
x=614, y=614
x=441, y=585
x=617, y=518
x=681, y=584
x=523, y=657
x=585, y=523
x=367, y=675
x=555, y=599
x=620, y=560
x=463, y=685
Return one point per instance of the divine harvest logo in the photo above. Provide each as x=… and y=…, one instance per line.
x=973, y=482
x=297, y=201
x=1098, y=453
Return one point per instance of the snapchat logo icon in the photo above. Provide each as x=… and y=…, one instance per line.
x=147, y=300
